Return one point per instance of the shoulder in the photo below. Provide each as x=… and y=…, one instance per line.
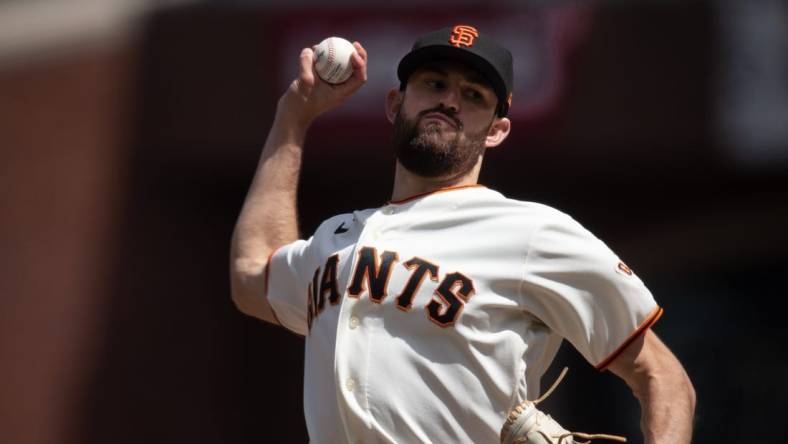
x=552, y=232
x=342, y=223
x=532, y=214
x=332, y=223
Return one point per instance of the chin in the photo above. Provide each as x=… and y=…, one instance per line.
x=437, y=127
x=438, y=141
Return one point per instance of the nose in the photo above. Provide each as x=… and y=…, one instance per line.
x=451, y=98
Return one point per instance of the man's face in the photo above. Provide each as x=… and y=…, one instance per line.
x=444, y=119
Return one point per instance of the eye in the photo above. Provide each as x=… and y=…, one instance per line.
x=437, y=85
x=474, y=94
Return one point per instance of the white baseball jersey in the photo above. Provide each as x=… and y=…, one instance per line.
x=429, y=319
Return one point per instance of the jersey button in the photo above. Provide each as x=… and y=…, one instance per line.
x=350, y=384
x=354, y=321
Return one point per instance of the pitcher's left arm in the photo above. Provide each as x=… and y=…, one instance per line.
x=659, y=382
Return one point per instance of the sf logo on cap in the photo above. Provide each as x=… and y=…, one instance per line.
x=463, y=35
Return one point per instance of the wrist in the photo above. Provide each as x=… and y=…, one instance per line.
x=289, y=128
x=290, y=110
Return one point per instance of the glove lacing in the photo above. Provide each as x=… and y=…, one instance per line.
x=561, y=438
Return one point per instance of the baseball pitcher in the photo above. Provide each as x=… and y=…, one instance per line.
x=432, y=318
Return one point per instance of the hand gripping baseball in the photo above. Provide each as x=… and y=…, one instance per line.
x=309, y=96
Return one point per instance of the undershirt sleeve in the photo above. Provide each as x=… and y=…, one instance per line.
x=582, y=291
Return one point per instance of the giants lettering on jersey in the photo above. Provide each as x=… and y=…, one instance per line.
x=371, y=276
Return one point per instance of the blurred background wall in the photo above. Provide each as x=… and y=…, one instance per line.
x=129, y=133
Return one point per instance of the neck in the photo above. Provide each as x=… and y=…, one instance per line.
x=407, y=184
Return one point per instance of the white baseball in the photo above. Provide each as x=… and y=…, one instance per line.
x=332, y=59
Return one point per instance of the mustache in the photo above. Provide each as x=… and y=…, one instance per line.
x=448, y=113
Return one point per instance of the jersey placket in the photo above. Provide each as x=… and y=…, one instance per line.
x=355, y=332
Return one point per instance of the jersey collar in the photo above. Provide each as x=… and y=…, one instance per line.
x=439, y=190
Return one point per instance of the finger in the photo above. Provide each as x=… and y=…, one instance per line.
x=357, y=79
x=306, y=60
x=359, y=69
x=358, y=62
x=360, y=49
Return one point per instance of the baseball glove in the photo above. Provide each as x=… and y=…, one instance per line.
x=528, y=425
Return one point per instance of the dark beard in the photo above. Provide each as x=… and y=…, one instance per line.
x=426, y=154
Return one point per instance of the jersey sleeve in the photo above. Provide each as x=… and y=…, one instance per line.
x=582, y=291
x=287, y=282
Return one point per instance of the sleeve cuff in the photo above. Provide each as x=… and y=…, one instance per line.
x=266, y=294
x=265, y=289
x=650, y=320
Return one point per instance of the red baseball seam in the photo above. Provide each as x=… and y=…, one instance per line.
x=330, y=52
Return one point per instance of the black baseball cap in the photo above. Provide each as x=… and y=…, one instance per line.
x=464, y=44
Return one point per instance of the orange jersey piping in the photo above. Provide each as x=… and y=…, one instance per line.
x=650, y=320
x=440, y=190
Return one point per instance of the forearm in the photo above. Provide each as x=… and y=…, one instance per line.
x=268, y=218
x=667, y=404
x=665, y=392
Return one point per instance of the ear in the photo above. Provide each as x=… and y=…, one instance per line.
x=498, y=131
x=393, y=103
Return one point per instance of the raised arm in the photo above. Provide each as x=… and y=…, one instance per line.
x=659, y=382
x=268, y=217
